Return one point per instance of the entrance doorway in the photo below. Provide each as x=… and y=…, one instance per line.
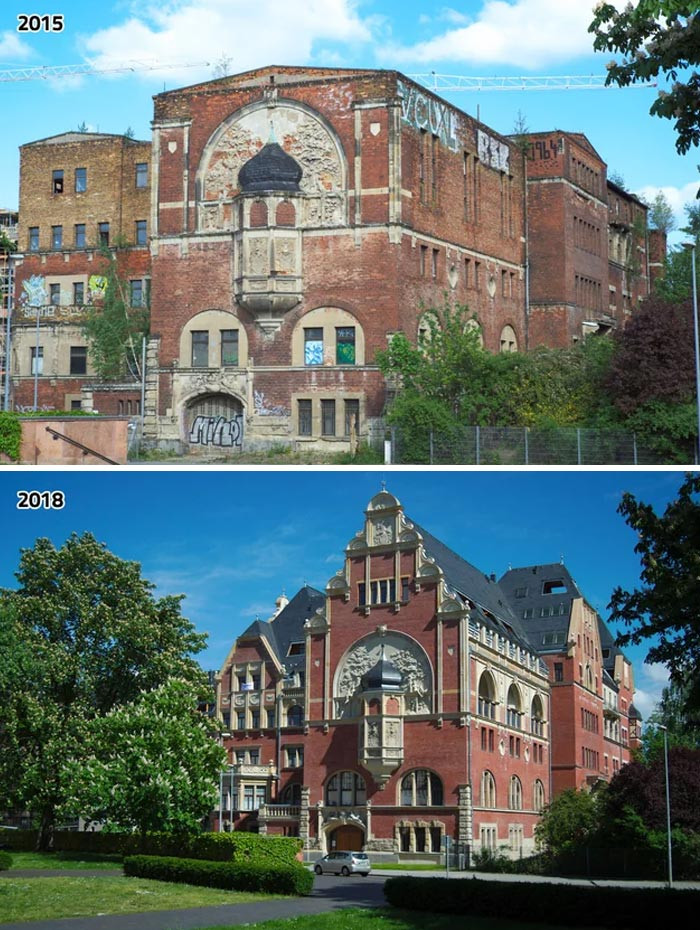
x=346, y=839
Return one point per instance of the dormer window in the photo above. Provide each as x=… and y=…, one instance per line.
x=554, y=587
x=296, y=649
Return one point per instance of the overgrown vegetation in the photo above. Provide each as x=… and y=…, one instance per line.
x=10, y=435
x=641, y=381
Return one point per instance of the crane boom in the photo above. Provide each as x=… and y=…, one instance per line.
x=47, y=72
x=442, y=83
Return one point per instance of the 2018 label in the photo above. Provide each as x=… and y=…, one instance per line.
x=32, y=22
x=41, y=500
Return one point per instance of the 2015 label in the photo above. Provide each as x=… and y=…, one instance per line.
x=32, y=22
x=41, y=500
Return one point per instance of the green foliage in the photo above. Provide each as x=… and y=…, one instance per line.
x=661, y=214
x=114, y=329
x=682, y=726
x=277, y=879
x=5, y=861
x=559, y=904
x=20, y=840
x=153, y=763
x=6, y=244
x=569, y=820
x=365, y=455
x=81, y=634
x=10, y=435
x=663, y=609
x=656, y=37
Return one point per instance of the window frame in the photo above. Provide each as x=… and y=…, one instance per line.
x=198, y=344
x=141, y=173
x=80, y=179
x=226, y=362
x=78, y=360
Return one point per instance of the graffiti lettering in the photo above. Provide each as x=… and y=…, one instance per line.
x=217, y=431
x=29, y=408
x=262, y=408
x=493, y=153
x=426, y=112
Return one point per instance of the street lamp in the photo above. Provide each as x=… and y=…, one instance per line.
x=668, y=804
x=692, y=247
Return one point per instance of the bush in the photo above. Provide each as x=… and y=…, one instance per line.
x=221, y=847
x=565, y=905
x=19, y=840
x=5, y=861
x=10, y=435
x=274, y=879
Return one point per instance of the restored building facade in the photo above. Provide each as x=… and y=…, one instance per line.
x=79, y=193
x=410, y=702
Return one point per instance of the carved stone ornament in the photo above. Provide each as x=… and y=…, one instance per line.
x=383, y=531
x=383, y=501
x=338, y=583
x=317, y=623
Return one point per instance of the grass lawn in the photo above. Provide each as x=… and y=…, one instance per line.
x=64, y=860
x=75, y=896
x=389, y=919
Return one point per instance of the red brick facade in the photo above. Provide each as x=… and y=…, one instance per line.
x=407, y=704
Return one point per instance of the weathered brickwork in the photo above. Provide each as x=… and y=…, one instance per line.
x=396, y=709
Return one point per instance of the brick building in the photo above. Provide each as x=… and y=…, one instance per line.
x=79, y=192
x=415, y=699
x=302, y=216
x=587, y=242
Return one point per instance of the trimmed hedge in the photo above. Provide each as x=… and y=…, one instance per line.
x=5, y=861
x=277, y=879
x=219, y=847
x=19, y=840
x=560, y=904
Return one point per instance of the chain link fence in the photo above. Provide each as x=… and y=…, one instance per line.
x=495, y=445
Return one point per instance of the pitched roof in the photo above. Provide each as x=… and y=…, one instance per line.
x=288, y=626
x=541, y=596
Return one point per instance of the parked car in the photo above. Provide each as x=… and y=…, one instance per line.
x=344, y=863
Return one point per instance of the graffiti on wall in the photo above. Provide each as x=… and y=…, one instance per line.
x=263, y=409
x=217, y=431
x=34, y=292
x=425, y=112
x=493, y=153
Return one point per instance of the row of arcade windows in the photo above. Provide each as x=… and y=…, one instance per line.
x=515, y=793
x=382, y=591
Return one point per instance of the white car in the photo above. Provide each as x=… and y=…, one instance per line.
x=344, y=863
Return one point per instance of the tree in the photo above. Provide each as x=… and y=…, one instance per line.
x=682, y=727
x=568, y=821
x=665, y=608
x=81, y=634
x=656, y=37
x=153, y=764
x=114, y=329
x=661, y=214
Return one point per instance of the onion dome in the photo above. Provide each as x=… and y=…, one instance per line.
x=384, y=676
x=271, y=169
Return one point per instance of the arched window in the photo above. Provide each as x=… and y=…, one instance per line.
x=258, y=214
x=345, y=789
x=328, y=336
x=292, y=794
x=509, y=341
x=538, y=795
x=514, y=713
x=515, y=794
x=421, y=788
x=286, y=214
x=488, y=790
x=589, y=678
x=213, y=339
x=537, y=716
x=487, y=696
x=295, y=716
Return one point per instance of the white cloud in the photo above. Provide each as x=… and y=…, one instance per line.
x=12, y=48
x=250, y=34
x=523, y=33
x=651, y=680
x=677, y=197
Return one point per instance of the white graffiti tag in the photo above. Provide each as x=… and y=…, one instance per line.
x=217, y=431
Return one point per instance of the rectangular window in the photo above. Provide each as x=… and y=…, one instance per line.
x=405, y=589
x=56, y=237
x=254, y=756
x=57, y=182
x=328, y=418
x=352, y=417
x=103, y=231
x=248, y=798
x=229, y=347
x=55, y=295
x=141, y=233
x=80, y=180
x=142, y=174
x=558, y=671
x=79, y=237
x=136, y=293
x=76, y=405
x=345, y=345
x=240, y=720
x=313, y=346
x=434, y=263
x=304, y=412
x=33, y=238
x=295, y=757
x=423, y=260
x=484, y=738
x=361, y=594
x=477, y=275
x=255, y=719
x=78, y=360
x=200, y=349
x=37, y=363
x=260, y=794
x=270, y=719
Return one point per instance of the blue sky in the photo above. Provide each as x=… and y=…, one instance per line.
x=471, y=37
x=232, y=541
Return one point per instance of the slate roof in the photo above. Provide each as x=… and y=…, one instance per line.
x=82, y=137
x=524, y=589
x=270, y=169
x=288, y=626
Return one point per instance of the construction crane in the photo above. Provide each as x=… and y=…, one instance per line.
x=446, y=83
x=47, y=72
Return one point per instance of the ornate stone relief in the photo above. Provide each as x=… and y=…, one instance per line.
x=383, y=531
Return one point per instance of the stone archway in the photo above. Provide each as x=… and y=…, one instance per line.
x=346, y=838
x=214, y=420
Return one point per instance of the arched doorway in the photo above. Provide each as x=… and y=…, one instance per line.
x=346, y=838
x=215, y=420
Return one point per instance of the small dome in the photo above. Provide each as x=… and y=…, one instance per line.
x=384, y=676
x=271, y=169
